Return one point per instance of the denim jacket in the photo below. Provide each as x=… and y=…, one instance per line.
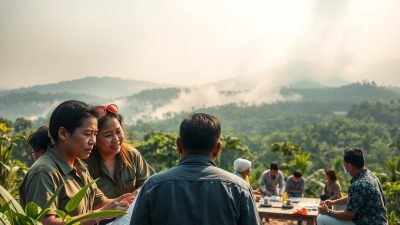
x=195, y=192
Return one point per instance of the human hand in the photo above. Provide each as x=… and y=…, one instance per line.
x=323, y=209
x=120, y=203
x=328, y=202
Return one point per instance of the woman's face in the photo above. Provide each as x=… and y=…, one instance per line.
x=110, y=137
x=327, y=177
x=81, y=142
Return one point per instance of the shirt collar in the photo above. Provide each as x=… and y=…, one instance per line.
x=62, y=163
x=197, y=159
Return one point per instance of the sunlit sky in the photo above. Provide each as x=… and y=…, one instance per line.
x=195, y=42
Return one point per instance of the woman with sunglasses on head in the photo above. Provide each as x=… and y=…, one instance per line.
x=73, y=128
x=120, y=167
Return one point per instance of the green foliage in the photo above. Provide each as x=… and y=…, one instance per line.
x=301, y=162
x=10, y=170
x=287, y=150
x=12, y=213
x=21, y=124
x=232, y=148
x=392, y=194
x=159, y=149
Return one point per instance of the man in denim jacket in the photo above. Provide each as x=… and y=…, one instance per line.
x=196, y=191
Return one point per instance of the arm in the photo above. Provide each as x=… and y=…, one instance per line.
x=281, y=183
x=141, y=214
x=143, y=169
x=248, y=210
x=298, y=191
x=343, y=215
x=119, y=203
x=263, y=184
x=340, y=201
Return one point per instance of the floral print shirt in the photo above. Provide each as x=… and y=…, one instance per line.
x=366, y=200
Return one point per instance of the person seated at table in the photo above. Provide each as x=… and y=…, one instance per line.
x=332, y=187
x=271, y=179
x=38, y=142
x=242, y=168
x=365, y=200
x=295, y=185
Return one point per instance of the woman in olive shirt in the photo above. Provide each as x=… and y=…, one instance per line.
x=73, y=128
x=121, y=168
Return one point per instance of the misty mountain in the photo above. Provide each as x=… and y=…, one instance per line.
x=161, y=103
x=104, y=87
x=33, y=104
x=352, y=93
x=297, y=73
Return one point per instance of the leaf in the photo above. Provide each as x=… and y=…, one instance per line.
x=13, y=204
x=108, y=213
x=42, y=214
x=74, y=201
x=60, y=213
x=4, y=220
x=32, y=209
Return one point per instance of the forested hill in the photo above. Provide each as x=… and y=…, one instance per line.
x=354, y=93
x=230, y=106
x=105, y=87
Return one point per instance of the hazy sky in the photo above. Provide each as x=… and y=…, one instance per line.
x=195, y=42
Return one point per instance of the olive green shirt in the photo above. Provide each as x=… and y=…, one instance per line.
x=125, y=179
x=48, y=173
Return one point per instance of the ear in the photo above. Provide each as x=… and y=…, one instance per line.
x=63, y=133
x=179, y=145
x=216, y=150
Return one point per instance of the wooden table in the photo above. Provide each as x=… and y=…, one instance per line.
x=277, y=212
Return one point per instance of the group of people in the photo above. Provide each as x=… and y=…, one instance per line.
x=272, y=181
x=84, y=142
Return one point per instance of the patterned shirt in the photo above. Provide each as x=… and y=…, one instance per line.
x=366, y=200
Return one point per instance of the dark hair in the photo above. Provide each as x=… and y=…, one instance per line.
x=94, y=158
x=39, y=139
x=200, y=133
x=274, y=166
x=355, y=157
x=331, y=174
x=69, y=115
x=297, y=173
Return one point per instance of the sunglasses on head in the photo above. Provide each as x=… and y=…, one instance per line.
x=102, y=110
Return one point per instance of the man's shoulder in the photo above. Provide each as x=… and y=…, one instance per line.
x=208, y=174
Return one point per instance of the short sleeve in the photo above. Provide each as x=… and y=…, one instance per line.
x=143, y=169
x=39, y=188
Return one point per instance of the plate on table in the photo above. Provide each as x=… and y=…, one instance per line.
x=285, y=206
x=295, y=199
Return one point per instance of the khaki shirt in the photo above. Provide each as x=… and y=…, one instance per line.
x=48, y=173
x=125, y=179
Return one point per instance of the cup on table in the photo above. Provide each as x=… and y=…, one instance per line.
x=266, y=200
x=289, y=202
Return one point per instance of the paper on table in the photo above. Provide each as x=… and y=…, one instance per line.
x=125, y=219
